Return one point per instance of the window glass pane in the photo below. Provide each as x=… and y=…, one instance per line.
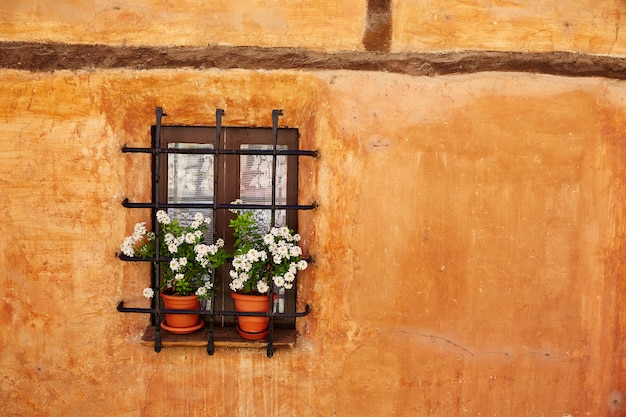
x=255, y=183
x=190, y=180
x=255, y=187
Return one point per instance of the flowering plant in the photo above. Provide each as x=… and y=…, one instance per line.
x=190, y=261
x=258, y=256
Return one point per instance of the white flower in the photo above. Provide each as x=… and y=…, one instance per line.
x=302, y=264
x=201, y=291
x=190, y=238
x=174, y=264
x=295, y=251
x=199, y=217
x=178, y=277
x=236, y=285
x=163, y=217
x=238, y=261
x=262, y=286
x=237, y=201
x=268, y=239
x=220, y=242
x=127, y=246
x=279, y=281
x=213, y=249
x=283, y=251
x=172, y=248
x=289, y=277
x=203, y=252
x=200, y=250
x=139, y=231
x=148, y=292
x=254, y=255
x=250, y=256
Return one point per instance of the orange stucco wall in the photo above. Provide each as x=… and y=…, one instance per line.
x=591, y=26
x=468, y=243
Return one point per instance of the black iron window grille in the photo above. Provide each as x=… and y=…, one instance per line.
x=205, y=169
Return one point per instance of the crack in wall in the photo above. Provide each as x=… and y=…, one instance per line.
x=617, y=27
x=447, y=341
x=471, y=352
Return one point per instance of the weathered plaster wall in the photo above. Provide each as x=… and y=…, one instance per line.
x=327, y=25
x=590, y=26
x=466, y=245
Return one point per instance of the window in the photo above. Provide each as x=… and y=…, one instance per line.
x=196, y=178
x=205, y=169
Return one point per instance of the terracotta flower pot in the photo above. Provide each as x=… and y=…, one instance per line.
x=181, y=323
x=252, y=327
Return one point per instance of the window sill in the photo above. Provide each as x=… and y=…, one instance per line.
x=223, y=337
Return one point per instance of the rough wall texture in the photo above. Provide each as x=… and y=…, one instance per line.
x=326, y=25
x=591, y=26
x=468, y=244
x=465, y=250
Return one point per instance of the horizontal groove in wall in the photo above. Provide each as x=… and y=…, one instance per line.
x=46, y=57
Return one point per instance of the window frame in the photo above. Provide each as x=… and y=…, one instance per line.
x=226, y=176
x=212, y=336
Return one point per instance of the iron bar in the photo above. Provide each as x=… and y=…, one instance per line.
x=128, y=204
x=219, y=113
x=165, y=258
x=156, y=150
x=156, y=227
x=270, y=336
x=147, y=259
x=122, y=309
x=209, y=151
